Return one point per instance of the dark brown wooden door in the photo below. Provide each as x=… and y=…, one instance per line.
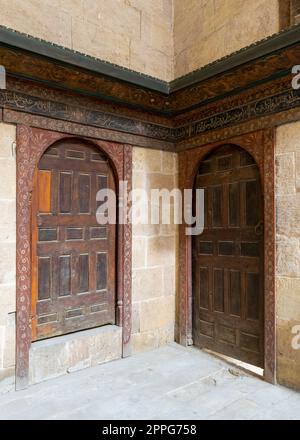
x=73, y=257
x=228, y=258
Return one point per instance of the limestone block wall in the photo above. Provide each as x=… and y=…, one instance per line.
x=137, y=34
x=8, y=253
x=206, y=30
x=288, y=251
x=154, y=256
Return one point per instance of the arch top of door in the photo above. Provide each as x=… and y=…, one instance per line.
x=253, y=143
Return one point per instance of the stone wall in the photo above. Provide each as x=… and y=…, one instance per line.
x=154, y=256
x=7, y=245
x=136, y=34
x=162, y=38
x=206, y=30
x=288, y=251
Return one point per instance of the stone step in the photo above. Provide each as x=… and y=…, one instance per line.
x=55, y=357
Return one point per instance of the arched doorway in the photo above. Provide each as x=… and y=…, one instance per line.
x=73, y=257
x=228, y=257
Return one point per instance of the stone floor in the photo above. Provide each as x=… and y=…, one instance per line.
x=169, y=383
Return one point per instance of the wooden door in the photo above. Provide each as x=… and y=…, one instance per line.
x=73, y=257
x=228, y=258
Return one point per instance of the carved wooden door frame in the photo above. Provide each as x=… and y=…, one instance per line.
x=31, y=144
x=260, y=145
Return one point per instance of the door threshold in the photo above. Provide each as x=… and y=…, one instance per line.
x=247, y=368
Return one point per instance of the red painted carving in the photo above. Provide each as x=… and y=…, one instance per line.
x=31, y=143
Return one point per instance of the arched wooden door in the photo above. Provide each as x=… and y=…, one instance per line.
x=228, y=258
x=73, y=257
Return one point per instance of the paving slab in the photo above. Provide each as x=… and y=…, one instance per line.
x=172, y=382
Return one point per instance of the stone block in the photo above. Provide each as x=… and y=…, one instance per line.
x=156, y=32
x=7, y=380
x=8, y=214
x=8, y=185
x=2, y=344
x=219, y=28
x=7, y=137
x=188, y=24
x=135, y=328
x=169, y=162
x=288, y=358
x=139, y=180
x=7, y=300
x=157, y=313
x=153, y=339
x=160, y=181
x=145, y=230
x=297, y=168
x=243, y=32
x=118, y=17
x=147, y=283
x=161, y=251
x=39, y=19
x=288, y=298
x=161, y=65
x=144, y=341
x=9, y=352
x=168, y=229
x=8, y=263
x=89, y=38
x=288, y=256
x=139, y=250
x=287, y=138
x=8, y=233
x=285, y=174
x=288, y=215
x=169, y=281
x=57, y=356
x=146, y=160
x=159, y=7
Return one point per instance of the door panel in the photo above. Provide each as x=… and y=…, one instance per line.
x=228, y=258
x=73, y=257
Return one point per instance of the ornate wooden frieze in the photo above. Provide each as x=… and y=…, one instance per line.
x=261, y=106
x=31, y=144
x=251, y=85
x=59, y=110
x=27, y=65
x=233, y=81
x=259, y=62
x=72, y=98
x=19, y=117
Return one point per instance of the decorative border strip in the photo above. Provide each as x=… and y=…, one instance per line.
x=261, y=107
x=59, y=110
x=18, y=117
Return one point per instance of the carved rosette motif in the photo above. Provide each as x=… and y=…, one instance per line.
x=260, y=145
x=31, y=144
